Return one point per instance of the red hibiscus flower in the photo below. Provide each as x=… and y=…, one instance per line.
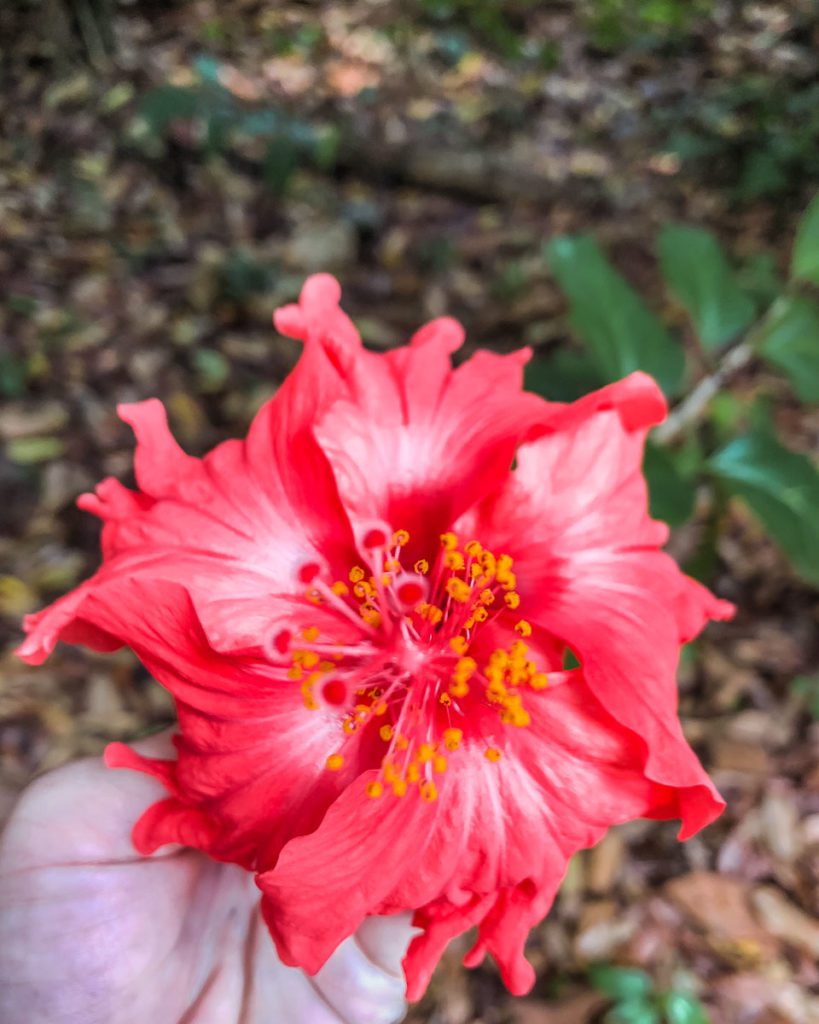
x=362, y=611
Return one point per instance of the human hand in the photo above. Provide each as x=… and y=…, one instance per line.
x=93, y=933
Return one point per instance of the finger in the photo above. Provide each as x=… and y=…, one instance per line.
x=80, y=813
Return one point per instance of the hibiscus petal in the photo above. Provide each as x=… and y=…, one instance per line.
x=574, y=517
x=490, y=851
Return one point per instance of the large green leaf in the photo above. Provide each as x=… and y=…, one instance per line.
x=672, y=486
x=791, y=343
x=621, y=331
x=563, y=376
x=700, y=276
x=782, y=489
x=805, y=259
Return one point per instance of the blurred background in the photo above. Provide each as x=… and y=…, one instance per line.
x=618, y=183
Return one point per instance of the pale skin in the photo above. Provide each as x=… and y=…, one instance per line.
x=93, y=933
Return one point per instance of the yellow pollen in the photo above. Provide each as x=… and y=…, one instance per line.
x=459, y=644
x=512, y=600
x=400, y=538
x=454, y=560
x=458, y=590
x=340, y=588
x=295, y=672
x=401, y=742
x=449, y=541
x=523, y=628
x=458, y=688
x=421, y=567
x=374, y=790
x=435, y=614
x=362, y=589
x=429, y=792
x=487, y=596
x=480, y=615
x=474, y=549
x=413, y=772
x=310, y=659
x=425, y=752
x=334, y=762
x=539, y=681
x=349, y=725
x=357, y=574
x=445, y=699
x=475, y=571
x=452, y=738
x=492, y=754
x=311, y=633
x=439, y=764
x=386, y=733
x=399, y=787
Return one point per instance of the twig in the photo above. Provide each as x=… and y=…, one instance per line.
x=692, y=407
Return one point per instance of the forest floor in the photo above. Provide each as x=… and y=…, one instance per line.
x=147, y=230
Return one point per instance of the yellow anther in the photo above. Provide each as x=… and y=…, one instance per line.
x=374, y=790
x=454, y=560
x=399, y=787
x=386, y=733
x=421, y=567
x=505, y=563
x=539, y=681
x=429, y=792
x=401, y=742
x=380, y=708
x=489, y=563
x=475, y=571
x=523, y=628
x=464, y=668
x=349, y=725
x=492, y=754
x=311, y=633
x=499, y=658
x=449, y=541
x=458, y=688
x=310, y=659
x=473, y=549
x=507, y=580
x=357, y=574
x=326, y=666
x=452, y=738
x=390, y=772
x=334, y=762
x=340, y=588
x=445, y=699
x=480, y=614
x=512, y=600
x=459, y=644
x=413, y=772
x=425, y=752
x=518, y=649
x=386, y=579
x=458, y=590
x=435, y=614
x=400, y=538
x=439, y=764
x=362, y=589
x=487, y=596
x=313, y=596
x=295, y=672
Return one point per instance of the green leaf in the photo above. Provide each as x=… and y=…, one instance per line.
x=634, y=1011
x=681, y=1008
x=782, y=489
x=791, y=344
x=672, y=487
x=700, y=276
x=621, y=982
x=805, y=259
x=564, y=376
x=621, y=331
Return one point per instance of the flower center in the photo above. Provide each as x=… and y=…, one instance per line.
x=410, y=675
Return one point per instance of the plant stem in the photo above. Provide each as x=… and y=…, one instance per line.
x=694, y=405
